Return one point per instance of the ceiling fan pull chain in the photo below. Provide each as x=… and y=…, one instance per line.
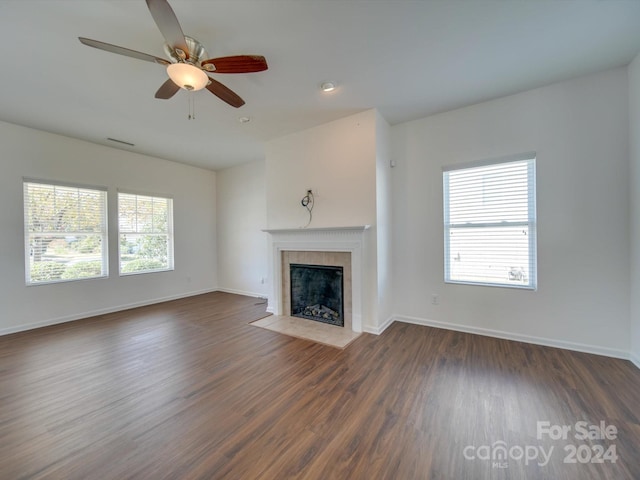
x=192, y=110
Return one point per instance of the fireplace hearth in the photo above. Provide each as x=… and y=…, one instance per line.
x=317, y=293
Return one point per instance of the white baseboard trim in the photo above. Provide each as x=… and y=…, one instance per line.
x=101, y=311
x=242, y=292
x=379, y=329
x=547, y=342
x=635, y=359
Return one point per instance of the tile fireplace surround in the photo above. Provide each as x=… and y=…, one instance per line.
x=319, y=246
x=333, y=259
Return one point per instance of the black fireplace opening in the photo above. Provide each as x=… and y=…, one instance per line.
x=317, y=293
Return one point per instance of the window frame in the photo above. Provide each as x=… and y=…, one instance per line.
x=169, y=234
x=530, y=223
x=104, y=230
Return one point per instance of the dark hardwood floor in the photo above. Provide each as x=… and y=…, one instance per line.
x=189, y=390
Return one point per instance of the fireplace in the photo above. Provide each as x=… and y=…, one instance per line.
x=337, y=246
x=317, y=293
x=325, y=279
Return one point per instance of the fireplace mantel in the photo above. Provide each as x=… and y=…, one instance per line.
x=325, y=239
x=356, y=228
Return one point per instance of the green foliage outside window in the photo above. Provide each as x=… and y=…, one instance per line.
x=66, y=232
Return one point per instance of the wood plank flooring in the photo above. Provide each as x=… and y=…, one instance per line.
x=188, y=390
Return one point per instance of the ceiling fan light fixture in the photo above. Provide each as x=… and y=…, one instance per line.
x=187, y=76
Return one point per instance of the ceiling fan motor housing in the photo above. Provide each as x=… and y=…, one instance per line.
x=196, y=54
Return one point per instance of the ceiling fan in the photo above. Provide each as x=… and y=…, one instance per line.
x=189, y=62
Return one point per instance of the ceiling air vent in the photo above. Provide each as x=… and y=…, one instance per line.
x=122, y=142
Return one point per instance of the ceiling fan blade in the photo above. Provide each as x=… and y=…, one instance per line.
x=225, y=94
x=167, y=90
x=168, y=24
x=238, y=64
x=122, y=51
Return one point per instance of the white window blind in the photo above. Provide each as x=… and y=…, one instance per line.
x=65, y=232
x=490, y=223
x=145, y=233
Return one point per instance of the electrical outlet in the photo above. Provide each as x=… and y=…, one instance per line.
x=435, y=299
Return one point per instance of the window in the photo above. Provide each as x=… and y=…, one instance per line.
x=146, y=233
x=65, y=232
x=490, y=223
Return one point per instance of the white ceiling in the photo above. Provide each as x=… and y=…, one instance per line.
x=409, y=59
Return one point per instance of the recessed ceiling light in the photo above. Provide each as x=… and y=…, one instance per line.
x=328, y=86
x=244, y=119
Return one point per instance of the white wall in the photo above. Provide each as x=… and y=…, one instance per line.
x=634, y=177
x=337, y=161
x=579, y=130
x=35, y=154
x=242, y=214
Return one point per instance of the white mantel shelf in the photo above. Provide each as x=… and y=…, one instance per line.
x=356, y=228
